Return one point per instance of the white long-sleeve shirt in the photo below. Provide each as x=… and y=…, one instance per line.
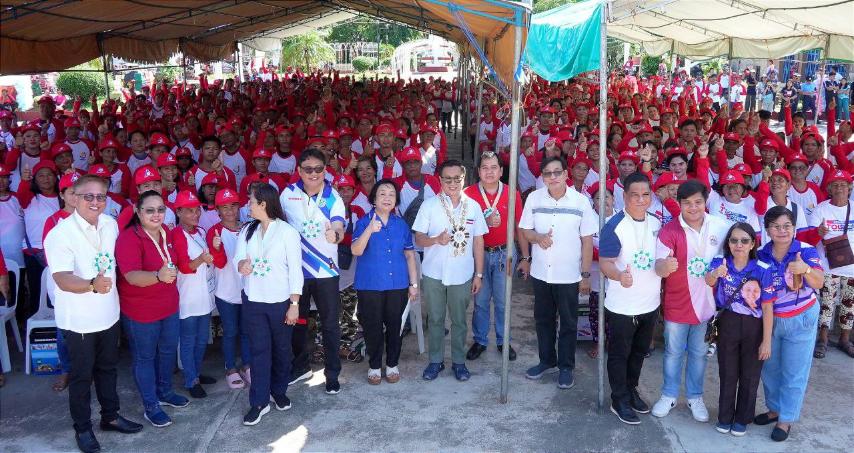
x=277, y=262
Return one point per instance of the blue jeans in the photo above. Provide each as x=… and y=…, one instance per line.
x=492, y=288
x=195, y=332
x=842, y=110
x=787, y=371
x=679, y=339
x=230, y=315
x=153, y=347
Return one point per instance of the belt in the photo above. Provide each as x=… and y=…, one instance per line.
x=495, y=249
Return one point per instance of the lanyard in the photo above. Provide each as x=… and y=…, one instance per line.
x=491, y=206
x=641, y=242
x=163, y=252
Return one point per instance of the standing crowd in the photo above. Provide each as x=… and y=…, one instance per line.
x=263, y=201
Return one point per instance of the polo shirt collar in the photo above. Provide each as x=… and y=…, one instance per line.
x=685, y=225
x=82, y=223
x=767, y=252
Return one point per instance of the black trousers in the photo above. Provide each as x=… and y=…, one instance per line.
x=739, y=366
x=628, y=342
x=270, y=346
x=34, y=268
x=551, y=301
x=325, y=294
x=94, y=357
x=378, y=311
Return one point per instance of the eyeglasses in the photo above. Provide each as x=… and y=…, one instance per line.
x=454, y=180
x=152, y=211
x=101, y=197
x=783, y=227
x=744, y=241
x=552, y=174
x=309, y=170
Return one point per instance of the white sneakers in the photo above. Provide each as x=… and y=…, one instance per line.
x=698, y=409
x=663, y=405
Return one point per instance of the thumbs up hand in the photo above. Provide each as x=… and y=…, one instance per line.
x=721, y=271
x=26, y=173
x=671, y=264
x=244, y=267
x=102, y=284
x=331, y=236
x=626, y=277
x=798, y=266
x=217, y=240
x=444, y=238
x=822, y=228
x=376, y=224
x=545, y=240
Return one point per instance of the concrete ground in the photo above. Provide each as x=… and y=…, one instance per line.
x=415, y=415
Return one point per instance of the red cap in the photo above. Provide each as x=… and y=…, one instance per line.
x=46, y=100
x=31, y=126
x=343, y=180
x=630, y=156
x=768, y=143
x=782, y=172
x=409, y=153
x=594, y=188
x=529, y=133
x=581, y=158
x=665, y=179
x=546, y=109
x=254, y=177
x=5, y=114
x=58, y=149
x=646, y=129
x=424, y=127
x=799, y=157
x=313, y=140
x=211, y=178
x=226, y=196
x=4, y=171
x=709, y=111
x=184, y=152
x=67, y=180
x=737, y=106
x=732, y=136
x=732, y=177
x=838, y=175
x=743, y=169
x=159, y=139
x=108, y=142
x=145, y=174
x=44, y=163
x=165, y=160
x=262, y=153
x=100, y=170
x=625, y=106
x=345, y=131
x=330, y=133
x=282, y=128
x=677, y=151
x=384, y=128
x=72, y=122
x=813, y=135
x=401, y=133
x=186, y=199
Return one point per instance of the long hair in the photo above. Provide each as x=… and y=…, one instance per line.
x=265, y=193
x=743, y=226
x=134, y=221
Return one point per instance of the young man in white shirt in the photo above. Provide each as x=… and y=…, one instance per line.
x=450, y=227
x=316, y=210
x=560, y=224
x=626, y=257
x=81, y=253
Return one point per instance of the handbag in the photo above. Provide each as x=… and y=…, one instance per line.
x=838, y=249
x=713, y=328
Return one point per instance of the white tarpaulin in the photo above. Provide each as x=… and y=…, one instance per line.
x=736, y=28
x=272, y=41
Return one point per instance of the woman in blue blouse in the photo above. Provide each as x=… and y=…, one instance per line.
x=797, y=274
x=386, y=277
x=745, y=322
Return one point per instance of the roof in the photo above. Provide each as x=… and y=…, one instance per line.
x=46, y=35
x=737, y=28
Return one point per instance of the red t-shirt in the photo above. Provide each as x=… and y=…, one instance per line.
x=495, y=236
x=135, y=251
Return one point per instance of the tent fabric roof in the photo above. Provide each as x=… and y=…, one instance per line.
x=45, y=35
x=737, y=28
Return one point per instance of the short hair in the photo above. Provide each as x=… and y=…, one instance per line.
x=86, y=179
x=450, y=163
x=747, y=228
x=211, y=138
x=551, y=159
x=490, y=155
x=764, y=115
x=636, y=177
x=775, y=213
x=310, y=153
x=370, y=160
x=385, y=181
x=690, y=188
x=687, y=123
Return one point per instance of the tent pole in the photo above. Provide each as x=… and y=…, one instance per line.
x=603, y=168
x=818, y=91
x=478, y=113
x=463, y=97
x=509, y=269
x=239, y=62
x=466, y=88
x=106, y=76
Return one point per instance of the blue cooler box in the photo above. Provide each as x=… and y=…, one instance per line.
x=44, y=357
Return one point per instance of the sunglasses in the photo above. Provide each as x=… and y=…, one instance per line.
x=152, y=211
x=744, y=241
x=93, y=196
x=309, y=170
x=457, y=180
x=552, y=174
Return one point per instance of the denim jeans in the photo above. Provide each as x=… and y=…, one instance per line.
x=678, y=339
x=230, y=315
x=787, y=371
x=492, y=288
x=195, y=332
x=153, y=346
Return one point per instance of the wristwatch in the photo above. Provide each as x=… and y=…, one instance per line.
x=92, y=285
x=526, y=258
x=414, y=285
x=478, y=275
x=585, y=275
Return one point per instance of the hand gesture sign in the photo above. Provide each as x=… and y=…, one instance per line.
x=798, y=266
x=822, y=228
x=626, y=277
x=444, y=238
x=720, y=271
x=244, y=267
x=26, y=173
x=545, y=240
x=331, y=235
x=376, y=224
x=217, y=240
x=102, y=284
x=671, y=264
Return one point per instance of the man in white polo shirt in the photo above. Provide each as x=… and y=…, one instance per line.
x=81, y=251
x=316, y=210
x=627, y=248
x=450, y=227
x=560, y=224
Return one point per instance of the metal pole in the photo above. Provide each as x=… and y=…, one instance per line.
x=240, y=62
x=478, y=113
x=603, y=175
x=106, y=77
x=466, y=115
x=818, y=92
x=515, y=125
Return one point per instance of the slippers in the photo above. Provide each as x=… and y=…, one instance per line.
x=247, y=376
x=234, y=381
x=764, y=419
x=820, y=350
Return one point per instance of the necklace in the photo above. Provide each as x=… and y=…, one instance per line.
x=459, y=234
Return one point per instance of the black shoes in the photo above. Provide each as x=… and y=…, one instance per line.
x=764, y=419
x=332, y=387
x=475, y=351
x=778, y=435
x=283, y=403
x=512, y=353
x=625, y=413
x=197, y=391
x=121, y=425
x=206, y=380
x=637, y=403
x=86, y=442
x=254, y=415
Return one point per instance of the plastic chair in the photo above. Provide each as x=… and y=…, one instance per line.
x=413, y=311
x=7, y=314
x=44, y=317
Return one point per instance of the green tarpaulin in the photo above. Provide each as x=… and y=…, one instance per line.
x=565, y=41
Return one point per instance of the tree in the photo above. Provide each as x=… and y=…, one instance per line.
x=368, y=30
x=545, y=5
x=306, y=51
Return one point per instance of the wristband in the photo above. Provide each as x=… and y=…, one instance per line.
x=157, y=276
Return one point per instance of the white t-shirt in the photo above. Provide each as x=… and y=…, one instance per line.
x=80, y=152
x=236, y=163
x=632, y=243
x=569, y=218
x=75, y=246
x=310, y=217
x=277, y=262
x=800, y=221
x=279, y=164
x=743, y=211
x=439, y=260
x=196, y=290
x=12, y=229
x=40, y=208
x=228, y=282
x=834, y=219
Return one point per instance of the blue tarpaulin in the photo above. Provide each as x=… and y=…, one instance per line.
x=565, y=41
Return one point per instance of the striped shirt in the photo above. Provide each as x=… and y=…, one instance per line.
x=788, y=303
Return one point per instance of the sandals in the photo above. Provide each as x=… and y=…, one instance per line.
x=61, y=383
x=234, y=380
x=846, y=347
x=375, y=377
x=392, y=376
x=247, y=375
x=820, y=350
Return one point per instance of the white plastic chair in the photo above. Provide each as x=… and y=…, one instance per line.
x=413, y=311
x=7, y=314
x=43, y=318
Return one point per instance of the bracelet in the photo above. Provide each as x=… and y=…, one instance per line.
x=157, y=276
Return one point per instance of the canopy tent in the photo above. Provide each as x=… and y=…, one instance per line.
x=272, y=40
x=46, y=35
x=700, y=29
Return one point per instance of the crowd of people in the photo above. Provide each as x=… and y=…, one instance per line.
x=267, y=199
